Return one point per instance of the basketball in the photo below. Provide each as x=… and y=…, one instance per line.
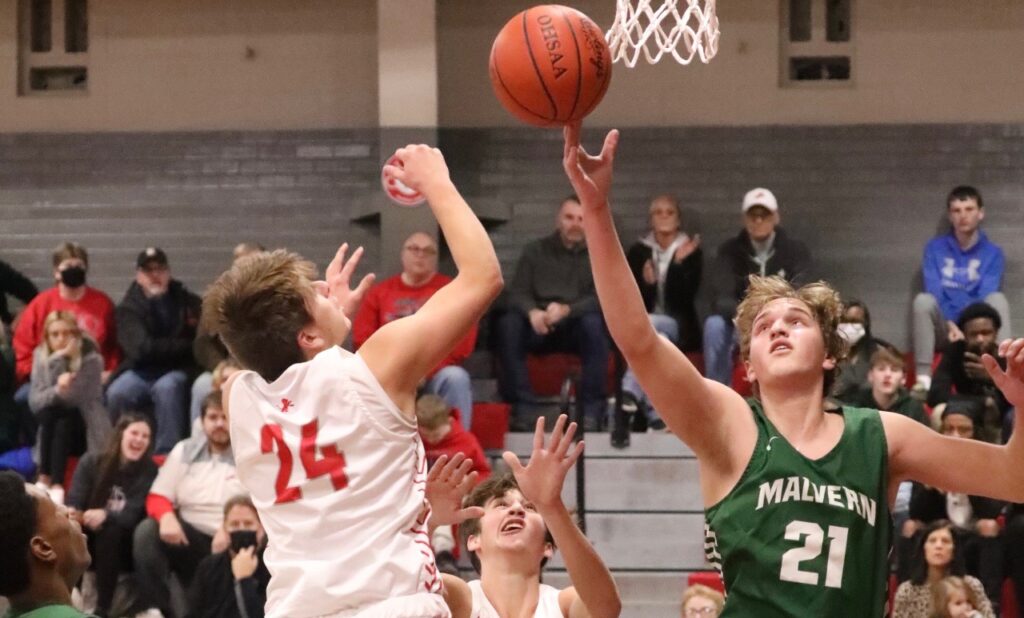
x=550, y=65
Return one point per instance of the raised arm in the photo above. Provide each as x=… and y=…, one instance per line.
x=964, y=466
x=593, y=592
x=711, y=418
x=402, y=352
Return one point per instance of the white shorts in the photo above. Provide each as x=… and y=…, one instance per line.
x=422, y=605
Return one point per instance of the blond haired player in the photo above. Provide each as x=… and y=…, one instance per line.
x=796, y=496
x=326, y=440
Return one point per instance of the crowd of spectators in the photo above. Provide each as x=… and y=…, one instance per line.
x=124, y=387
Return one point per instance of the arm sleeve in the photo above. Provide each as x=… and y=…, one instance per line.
x=942, y=381
x=82, y=483
x=16, y=284
x=86, y=385
x=367, y=318
x=157, y=506
x=992, y=278
x=637, y=257
x=166, y=483
x=43, y=390
x=26, y=338
x=984, y=604
x=521, y=290
x=248, y=598
x=930, y=270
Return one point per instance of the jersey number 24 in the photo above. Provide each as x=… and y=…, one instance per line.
x=330, y=462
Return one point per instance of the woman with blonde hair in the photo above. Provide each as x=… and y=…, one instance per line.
x=699, y=601
x=66, y=397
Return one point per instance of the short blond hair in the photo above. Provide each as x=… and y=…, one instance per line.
x=258, y=307
x=700, y=590
x=432, y=412
x=823, y=302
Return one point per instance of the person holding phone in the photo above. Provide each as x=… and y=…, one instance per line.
x=235, y=575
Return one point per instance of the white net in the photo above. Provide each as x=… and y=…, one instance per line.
x=683, y=28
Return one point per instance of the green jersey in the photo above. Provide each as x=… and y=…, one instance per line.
x=797, y=537
x=50, y=611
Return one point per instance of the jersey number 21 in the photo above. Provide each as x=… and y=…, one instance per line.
x=813, y=537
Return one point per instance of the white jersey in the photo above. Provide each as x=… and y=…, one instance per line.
x=338, y=475
x=547, y=603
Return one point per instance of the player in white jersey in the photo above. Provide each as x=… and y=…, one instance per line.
x=524, y=520
x=326, y=440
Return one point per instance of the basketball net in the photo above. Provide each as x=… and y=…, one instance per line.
x=683, y=28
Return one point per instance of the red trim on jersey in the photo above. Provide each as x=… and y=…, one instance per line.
x=157, y=506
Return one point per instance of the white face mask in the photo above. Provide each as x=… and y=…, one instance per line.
x=851, y=331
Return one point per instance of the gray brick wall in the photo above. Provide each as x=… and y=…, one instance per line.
x=865, y=198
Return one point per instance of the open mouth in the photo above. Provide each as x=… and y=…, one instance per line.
x=513, y=526
x=781, y=344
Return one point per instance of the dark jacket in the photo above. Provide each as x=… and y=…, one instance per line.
x=214, y=592
x=11, y=418
x=734, y=263
x=125, y=502
x=951, y=379
x=154, y=347
x=681, y=283
x=928, y=504
x=208, y=349
x=549, y=272
x=904, y=404
x=17, y=285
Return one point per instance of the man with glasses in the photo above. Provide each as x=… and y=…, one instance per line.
x=402, y=295
x=761, y=248
x=156, y=325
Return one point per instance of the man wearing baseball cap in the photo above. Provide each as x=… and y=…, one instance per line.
x=761, y=248
x=156, y=325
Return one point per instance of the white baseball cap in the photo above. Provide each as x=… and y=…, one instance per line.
x=760, y=197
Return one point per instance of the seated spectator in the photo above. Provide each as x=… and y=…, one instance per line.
x=523, y=521
x=937, y=555
x=17, y=427
x=885, y=390
x=855, y=327
x=185, y=509
x=92, y=308
x=1013, y=533
x=961, y=375
x=209, y=351
x=960, y=268
x=44, y=552
x=442, y=434
x=67, y=398
x=236, y=575
x=666, y=264
x=973, y=518
x=156, y=324
x=554, y=309
x=699, y=601
x=108, y=497
x=953, y=598
x=13, y=283
x=402, y=295
x=761, y=248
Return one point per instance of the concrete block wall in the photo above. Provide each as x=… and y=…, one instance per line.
x=865, y=198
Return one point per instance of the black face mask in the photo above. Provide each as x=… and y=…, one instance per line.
x=73, y=276
x=240, y=539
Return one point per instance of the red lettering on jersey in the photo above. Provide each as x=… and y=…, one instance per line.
x=330, y=462
x=285, y=404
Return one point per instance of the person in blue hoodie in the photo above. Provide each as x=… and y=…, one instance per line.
x=959, y=268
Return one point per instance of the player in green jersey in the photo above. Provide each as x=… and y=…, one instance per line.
x=796, y=496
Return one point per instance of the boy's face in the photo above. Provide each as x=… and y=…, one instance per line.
x=885, y=378
x=786, y=344
x=958, y=426
x=62, y=540
x=330, y=325
x=965, y=215
x=511, y=524
x=435, y=435
x=980, y=333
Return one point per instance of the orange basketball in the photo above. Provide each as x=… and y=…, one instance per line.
x=550, y=65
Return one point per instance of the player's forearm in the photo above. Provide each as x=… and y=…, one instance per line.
x=467, y=239
x=593, y=582
x=617, y=292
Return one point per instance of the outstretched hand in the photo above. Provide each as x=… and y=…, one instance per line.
x=448, y=482
x=590, y=176
x=420, y=168
x=542, y=478
x=1011, y=380
x=339, y=278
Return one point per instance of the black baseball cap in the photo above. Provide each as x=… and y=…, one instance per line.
x=151, y=255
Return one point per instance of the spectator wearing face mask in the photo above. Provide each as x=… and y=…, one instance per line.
x=233, y=583
x=92, y=308
x=855, y=327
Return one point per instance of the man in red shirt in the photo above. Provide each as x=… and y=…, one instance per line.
x=93, y=308
x=403, y=295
